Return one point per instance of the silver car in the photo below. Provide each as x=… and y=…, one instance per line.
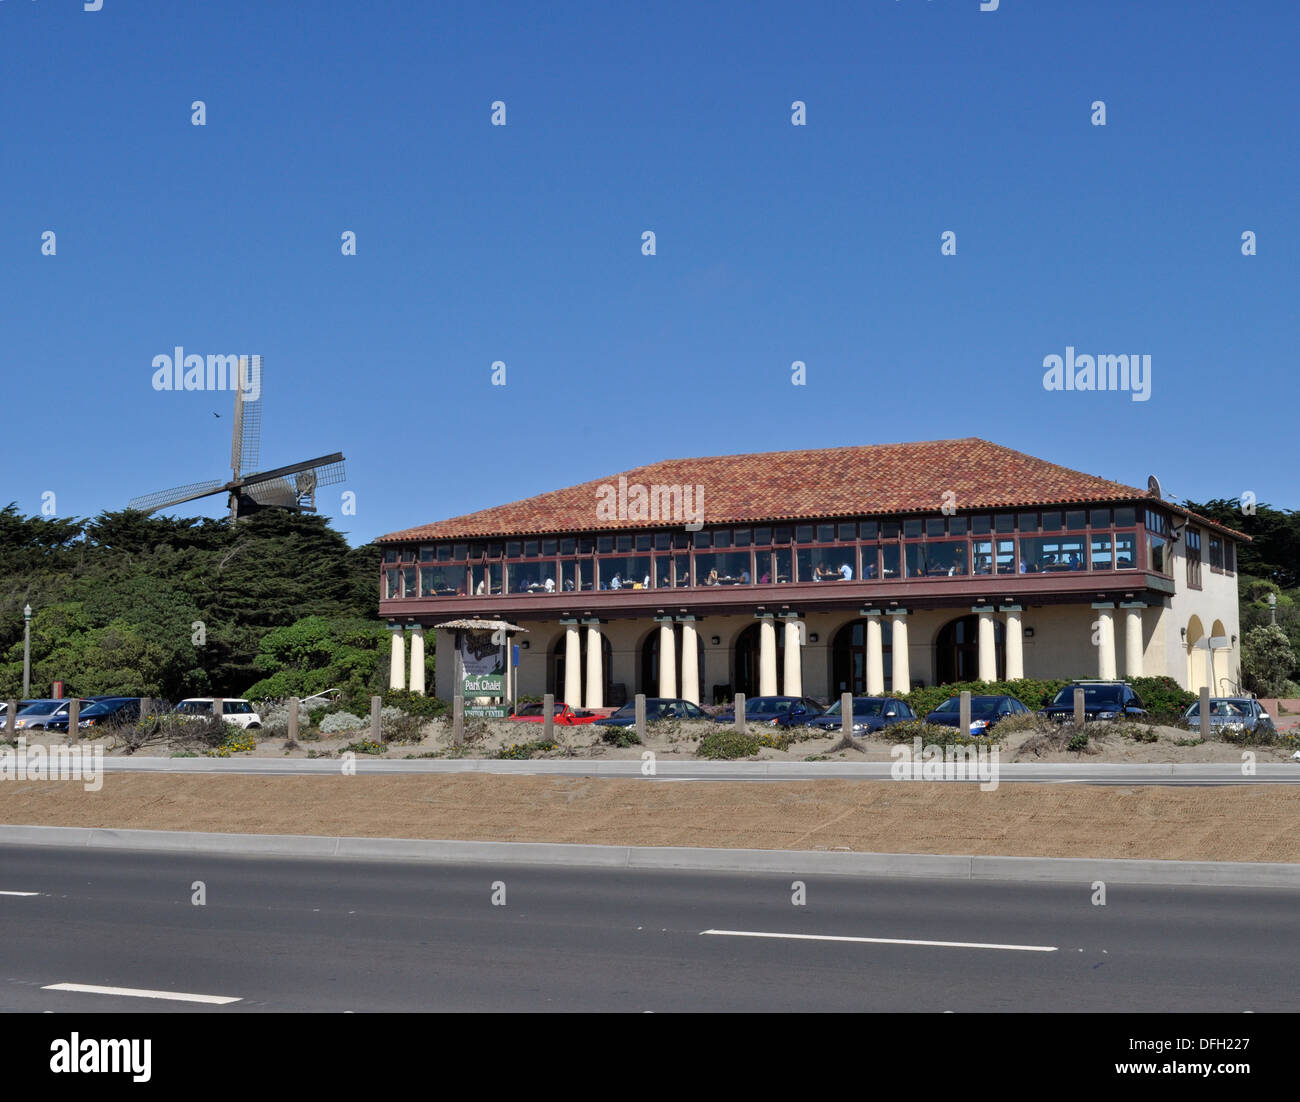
x=1232, y=711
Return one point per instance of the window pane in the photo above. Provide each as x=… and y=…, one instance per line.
x=1052, y=522
x=783, y=560
x=444, y=552
x=722, y=537
x=576, y=576
x=825, y=533
x=1051, y=554
x=1125, y=517
x=848, y=532
x=1076, y=519
x=408, y=554
x=568, y=546
x=762, y=536
x=604, y=544
x=586, y=545
x=514, y=549
x=956, y=526
x=1157, y=554
x=935, y=526
x=390, y=555
x=440, y=581
x=782, y=534
x=763, y=567
x=1103, y=557
x=1099, y=518
x=682, y=567
x=530, y=549
x=890, y=560
x=803, y=533
x=912, y=528
x=624, y=572
x=724, y=568
x=661, y=541
x=943, y=559
x=1004, y=522
x=869, y=530
x=889, y=529
x=1125, y=550
x=981, y=525
x=704, y=539
x=995, y=555
x=623, y=543
x=870, y=562
x=426, y=555
x=1027, y=522
x=393, y=588
x=741, y=537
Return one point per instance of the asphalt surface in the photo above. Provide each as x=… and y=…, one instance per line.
x=315, y=935
x=1065, y=773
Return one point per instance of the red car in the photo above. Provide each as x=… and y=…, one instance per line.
x=564, y=715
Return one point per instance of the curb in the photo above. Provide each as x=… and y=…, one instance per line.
x=935, y=866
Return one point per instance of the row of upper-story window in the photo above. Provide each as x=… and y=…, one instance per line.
x=924, y=558
x=1223, y=556
x=843, y=531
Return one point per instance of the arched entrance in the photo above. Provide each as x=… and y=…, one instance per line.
x=957, y=650
x=849, y=658
x=747, y=655
x=649, y=668
x=1196, y=656
x=1220, y=662
x=559, y=656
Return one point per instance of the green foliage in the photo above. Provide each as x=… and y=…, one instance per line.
x=426, y=707
x=363, y=746
x=726, y=745
x=1078, y=741
x=1165, y=700
x=237, y=742
x=1032, y=694
x=936, y=734
x=620, y=736
x=1267, y=660
x=527, y=749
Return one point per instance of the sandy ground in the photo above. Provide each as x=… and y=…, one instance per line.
x=679, y=741
x=1224, y=824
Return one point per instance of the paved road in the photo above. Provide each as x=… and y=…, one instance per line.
x=1084, y=773
x=281, y=934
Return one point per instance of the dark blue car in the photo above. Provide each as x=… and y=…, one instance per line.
x=656, y=707
x=779, y=711
x=985, y=712
x=870, y=713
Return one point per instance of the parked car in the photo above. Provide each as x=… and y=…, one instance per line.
x=100, y=712
x=39, y=714
x=564, y=715
x=870, y=713
x=1232, y=711
x=233, y=710
x=778, y=711
x=656, y=708
x=4, y=708
x=985, y=712
x=1101, y=700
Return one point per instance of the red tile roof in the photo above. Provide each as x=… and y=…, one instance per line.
x=805, y=485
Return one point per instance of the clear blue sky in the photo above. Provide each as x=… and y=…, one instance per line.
x=523, y=243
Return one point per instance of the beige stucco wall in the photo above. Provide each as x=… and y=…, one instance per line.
x=1214, y=603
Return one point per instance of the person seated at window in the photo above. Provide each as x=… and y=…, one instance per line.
x=549, y=585
x=664, y=583
x=870, y=571
x=645, y=582
x=846, y=572
x=616, y=582
x=712, y=579
x=568, y=585
x=1024, y=566
x=1076, y=561
x=765, y=578
x=744, y=576
x=478, y=589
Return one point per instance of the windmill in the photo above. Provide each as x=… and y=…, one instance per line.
x=291, y=487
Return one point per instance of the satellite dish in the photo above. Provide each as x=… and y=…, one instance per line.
x=1153, y=487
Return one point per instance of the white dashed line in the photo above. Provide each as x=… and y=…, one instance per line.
x=886, y=941
x=141, y=993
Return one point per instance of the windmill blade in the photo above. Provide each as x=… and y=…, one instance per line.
x=275, y=491
x=161, y=499
x=246, y=436
x=329, y=474
x=324, y=465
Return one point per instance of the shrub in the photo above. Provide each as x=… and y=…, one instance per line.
x=403, y=728
x=1266, y=659
x=275, y=719
x=727, y=744
x=1164, y=699
x=1239, y=735
x=1189, y=741
x=236, y=742
x=363, y=746
x=620, y=736
x=427, y=707
x=1032, y=694
x=935, y=734
x=1078, y=742
x=1137, y=732
x=337, y=722
x=527, y=749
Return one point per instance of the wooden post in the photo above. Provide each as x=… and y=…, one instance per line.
x=1080, y=718
x=740, y=712
x=1205, y=712
x=846, y=714
x=639, y=705
x=11, y=719
x=458, y=719
x=293, y=719
x=963, y=712
x=376, y=720
x=548, y=717
x=74, y=717
x=219, y=707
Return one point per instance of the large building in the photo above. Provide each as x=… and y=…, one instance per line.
x=817, y=572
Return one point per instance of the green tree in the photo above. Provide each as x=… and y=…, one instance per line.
x=1266, y=660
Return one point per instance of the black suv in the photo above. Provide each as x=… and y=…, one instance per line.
x=1101, y=700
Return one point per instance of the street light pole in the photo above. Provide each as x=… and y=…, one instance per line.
x=27, y=651
x=1272, y=608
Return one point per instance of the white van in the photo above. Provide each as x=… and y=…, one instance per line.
x=233, y=710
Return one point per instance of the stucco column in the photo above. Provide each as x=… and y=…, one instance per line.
x=417, y=660
x=988, y=651
x=1104, y=632
x=1015, y=645
x=1133, y=640
x=902, y=668
x=690, y=663
x=767, y=656
x=793, y=659
x=667, y=659
x=397, y=660
x=875, y=656
x=572, y=666
x=595, y=672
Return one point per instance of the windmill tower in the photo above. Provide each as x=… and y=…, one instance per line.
x=291, y=487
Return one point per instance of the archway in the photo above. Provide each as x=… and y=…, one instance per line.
x=1220, y=662
x=957, y=650
x=747, y=658
x=849, y=658
x=1195, y=655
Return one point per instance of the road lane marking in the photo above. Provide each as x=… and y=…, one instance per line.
x=141, y=993
x=20, y=893
x=886, y=941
